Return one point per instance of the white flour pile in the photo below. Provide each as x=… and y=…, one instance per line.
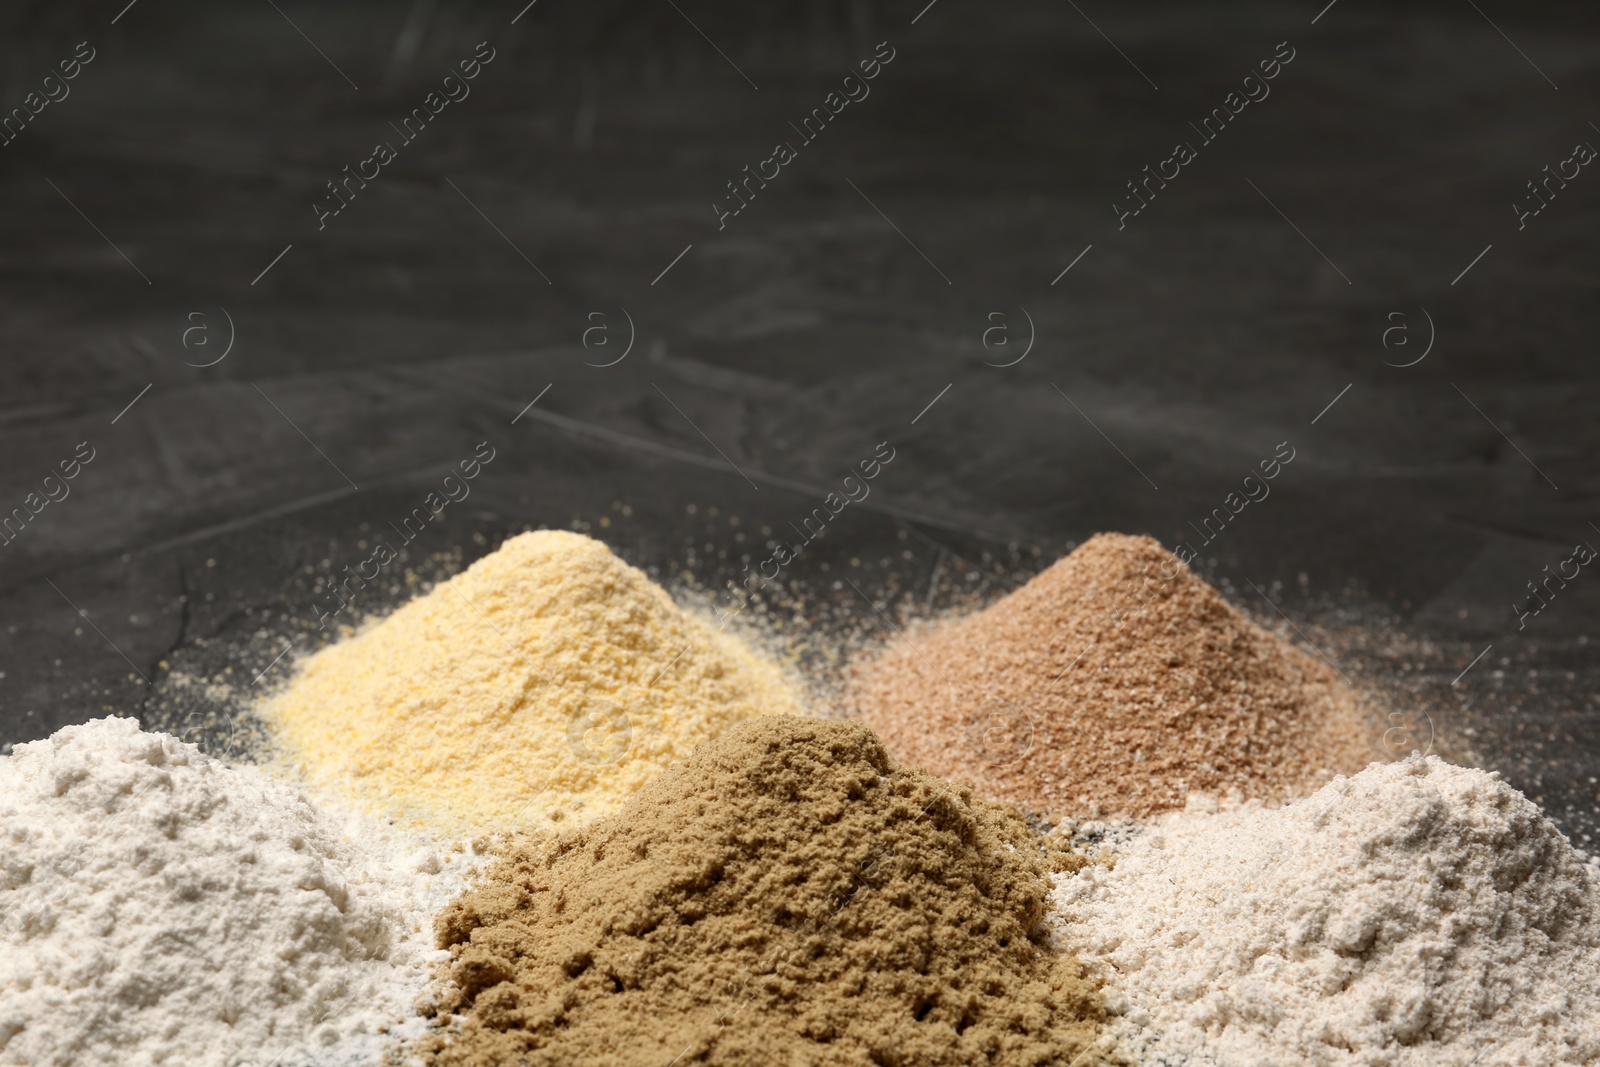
x=160, y=907
x=1414, y=914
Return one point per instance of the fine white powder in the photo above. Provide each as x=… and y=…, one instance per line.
x=1416, y=913
x=160, y=907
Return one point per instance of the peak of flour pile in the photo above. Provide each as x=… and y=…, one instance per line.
x=1116, y=681
x=1417, y=914
x=160, y=907
x=549, y=679
x=787, y=895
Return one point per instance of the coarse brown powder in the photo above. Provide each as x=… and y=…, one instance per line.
x=784, y=896
x=1114, y=682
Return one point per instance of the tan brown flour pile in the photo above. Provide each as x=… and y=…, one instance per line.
x=1114, y=682
x=785, y=896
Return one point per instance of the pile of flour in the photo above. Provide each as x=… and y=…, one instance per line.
x=160, y=907
x=1416, y=913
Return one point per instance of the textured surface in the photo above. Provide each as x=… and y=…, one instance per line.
x=550, y=680
x=1414, y=914
x=808, y=330
x=1114, y=682
x=787, y=895
x=157, y=907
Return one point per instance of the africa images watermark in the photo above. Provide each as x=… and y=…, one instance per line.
x=1582, y=155
x=855, y=491
x=55, y=490
x=1582, y=556
x=810, y=128
x=53, y=90
x=1181, y=555
x=455, y=90
x=1185, y=153
x=455, y=490
x=1255, y=489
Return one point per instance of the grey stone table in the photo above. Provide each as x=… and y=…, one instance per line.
x=272, y=271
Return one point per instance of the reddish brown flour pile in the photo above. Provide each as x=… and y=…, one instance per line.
x=1114, y=682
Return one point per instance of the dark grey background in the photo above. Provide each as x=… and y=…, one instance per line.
x=192, y=549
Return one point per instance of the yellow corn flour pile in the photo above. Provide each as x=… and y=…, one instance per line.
x=548, y=680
